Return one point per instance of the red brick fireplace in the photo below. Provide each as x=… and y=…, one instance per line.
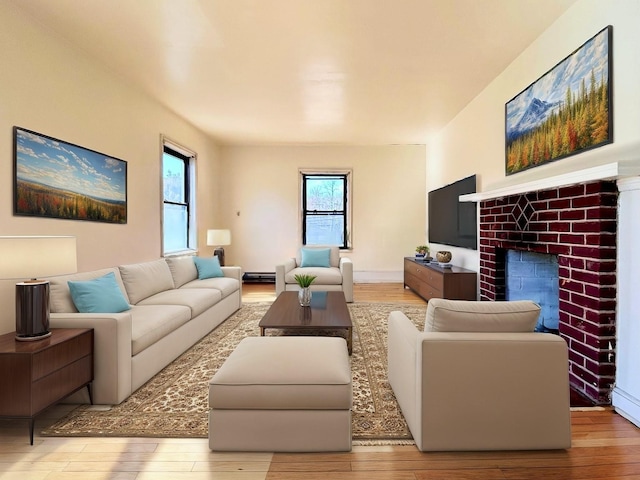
x=578, y=224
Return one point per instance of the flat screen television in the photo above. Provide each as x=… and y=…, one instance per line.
x=452, y=222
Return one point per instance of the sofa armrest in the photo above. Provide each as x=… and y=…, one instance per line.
x=111, y=351
x=346, y=268
x=233, y=272
x=402, y=364
x=281, y=271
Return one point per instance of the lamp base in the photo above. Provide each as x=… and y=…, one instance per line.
x=219, y=252
x=33, y=339
x=32, y=310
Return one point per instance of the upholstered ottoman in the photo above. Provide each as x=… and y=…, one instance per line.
x=282, y=394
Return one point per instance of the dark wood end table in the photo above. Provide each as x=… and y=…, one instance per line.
x=328, y=311
x=35, y=375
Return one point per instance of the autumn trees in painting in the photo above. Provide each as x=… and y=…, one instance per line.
x=564, y=112
x=33, y=199
x=581, y=122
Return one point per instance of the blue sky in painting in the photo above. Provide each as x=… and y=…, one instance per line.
x=552, y=87
x=68, y=167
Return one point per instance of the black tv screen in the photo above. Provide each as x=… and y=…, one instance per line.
x=452, y=222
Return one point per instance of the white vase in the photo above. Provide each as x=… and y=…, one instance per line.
x=304, y=296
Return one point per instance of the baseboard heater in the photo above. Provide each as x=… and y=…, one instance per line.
x=259, y=277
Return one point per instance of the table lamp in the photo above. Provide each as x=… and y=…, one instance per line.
x=219, y=238
x=33, y=257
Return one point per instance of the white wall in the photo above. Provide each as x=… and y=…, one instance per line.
x=474, y=141
x=262, y=184
x=50, y=87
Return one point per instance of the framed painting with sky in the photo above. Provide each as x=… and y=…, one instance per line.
x=61, y=180
x=566, y=111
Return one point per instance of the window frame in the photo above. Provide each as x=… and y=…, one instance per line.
x=189, y=157
x=347, y=175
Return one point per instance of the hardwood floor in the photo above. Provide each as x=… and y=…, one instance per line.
x=362, y=292
x=604, y=446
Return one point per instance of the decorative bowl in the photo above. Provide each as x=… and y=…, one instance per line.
x=443, y=256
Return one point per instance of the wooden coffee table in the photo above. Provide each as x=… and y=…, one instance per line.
x=328, y=311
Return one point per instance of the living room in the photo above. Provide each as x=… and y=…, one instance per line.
x=51, y=86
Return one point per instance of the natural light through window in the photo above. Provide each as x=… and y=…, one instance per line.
x=325, y=208
x=178, y=174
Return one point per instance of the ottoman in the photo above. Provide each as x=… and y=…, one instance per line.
x=282, y=394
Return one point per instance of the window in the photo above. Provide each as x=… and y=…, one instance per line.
x=178, y=181
x=325, y=202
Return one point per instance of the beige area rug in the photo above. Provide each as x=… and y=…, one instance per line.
x=174, y=403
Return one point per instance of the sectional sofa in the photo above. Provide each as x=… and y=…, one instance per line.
x=168, y=309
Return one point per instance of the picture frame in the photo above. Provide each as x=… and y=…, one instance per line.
x=566, y=111
x=57, y=179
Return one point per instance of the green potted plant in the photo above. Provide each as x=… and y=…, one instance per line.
x=304, y=281
x=422, y=251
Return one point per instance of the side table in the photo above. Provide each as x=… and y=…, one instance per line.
x=35, y=375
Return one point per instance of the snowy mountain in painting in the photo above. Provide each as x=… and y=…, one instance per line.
x=536, y=112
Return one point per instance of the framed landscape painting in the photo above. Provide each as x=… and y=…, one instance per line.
x=61, y=180
x=566, y=111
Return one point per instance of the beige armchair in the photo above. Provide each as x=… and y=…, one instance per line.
x=332, y=271
x=480, y=378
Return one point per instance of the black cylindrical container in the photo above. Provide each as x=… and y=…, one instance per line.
x=32, y=310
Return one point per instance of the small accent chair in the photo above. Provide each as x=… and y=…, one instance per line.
x=334, y=273
x=480, y=378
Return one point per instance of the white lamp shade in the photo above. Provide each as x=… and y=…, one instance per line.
x=218, y=238
x=37, y=256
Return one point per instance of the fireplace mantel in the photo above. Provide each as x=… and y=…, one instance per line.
x=626, y=164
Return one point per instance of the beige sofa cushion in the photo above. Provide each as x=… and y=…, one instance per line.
x=141, y=280
x=284, y=373
x=60, y=300
x=226, y=285
x=151, y=323
x=477, y=316
x=182, y=269
x=197, y=299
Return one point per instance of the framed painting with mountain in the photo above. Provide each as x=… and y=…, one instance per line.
x=566, y=111
x=57, y=179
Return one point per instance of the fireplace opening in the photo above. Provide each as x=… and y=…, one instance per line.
x=534, y=276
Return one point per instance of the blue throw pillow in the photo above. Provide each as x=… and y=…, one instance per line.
x=100, y=295
x=315, y=257
x=208, y=267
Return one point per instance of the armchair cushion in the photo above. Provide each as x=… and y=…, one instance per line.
x=324, y=276
x=315, y=257
x=476, y=316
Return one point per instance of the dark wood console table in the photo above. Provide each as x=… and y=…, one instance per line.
x=430, y=280
x=34, y=375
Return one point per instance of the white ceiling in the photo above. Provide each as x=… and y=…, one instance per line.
x=305, y=71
